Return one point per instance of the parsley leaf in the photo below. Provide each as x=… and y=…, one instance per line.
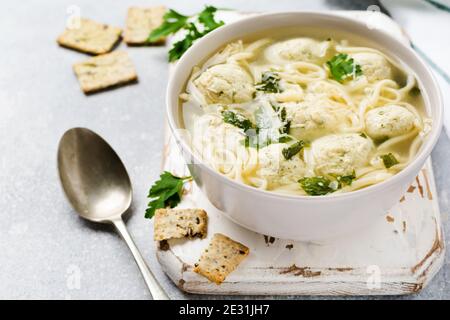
x=293, y=149
x=206, y=17
x=282, y=114
x=237, y=120
x=270, y=82
x=172, y=22
x=181, y=46
x=342, y=66
x=346, y=180
x=319, y=186
x=267, y=129
x=316, y=186
x=389, y=160
x=415, y=91
x=166, y=192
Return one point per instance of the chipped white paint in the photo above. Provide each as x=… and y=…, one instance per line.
x=398, y=254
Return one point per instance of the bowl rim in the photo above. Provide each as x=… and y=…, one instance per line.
x=419, y=158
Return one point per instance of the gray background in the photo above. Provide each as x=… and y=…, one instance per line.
x=42, y=241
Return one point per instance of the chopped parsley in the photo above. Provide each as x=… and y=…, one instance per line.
x=346, y=180
x=342, y=66
x=174, y=21
x=284, y=139
x=282, y=114
x=268, y=128
x=293, y=149
x=237, y=120
x=166, y=192
x=319, y=186
x=316, y=186
x=389, y=160
x=415, y=91
x=270, y=82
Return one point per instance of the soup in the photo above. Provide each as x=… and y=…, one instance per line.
x=304, y=115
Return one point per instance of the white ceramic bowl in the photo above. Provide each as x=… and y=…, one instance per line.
x=300, y=217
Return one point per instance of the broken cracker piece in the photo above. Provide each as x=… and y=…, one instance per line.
x=221, y=257
x=142, y=21
x=90, y=37
x=105, y=71
x=180, y=223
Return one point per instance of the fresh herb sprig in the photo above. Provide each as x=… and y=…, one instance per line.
x=166, y=192
x=174, y=22
x=389, y=160
x=342, y=67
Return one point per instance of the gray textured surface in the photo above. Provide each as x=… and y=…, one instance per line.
x=43, y=243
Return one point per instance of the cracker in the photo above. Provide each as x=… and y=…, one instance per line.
x=142, y=21
x=179, y=223
x=91, y=37
x=105, y=71
x=221, y=257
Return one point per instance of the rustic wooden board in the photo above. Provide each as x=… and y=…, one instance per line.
x=398, y=254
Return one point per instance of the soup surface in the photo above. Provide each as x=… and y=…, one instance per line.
x=302, y=115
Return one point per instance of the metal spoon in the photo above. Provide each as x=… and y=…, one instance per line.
x=98, y=187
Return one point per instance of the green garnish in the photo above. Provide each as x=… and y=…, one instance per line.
x=342, y=66
x=363, y=135
x=174, y=21
x=415, y=91
x=319, y=186
x=346, y=180
x=316, y=186
x=389, y=160
x=270, y=82
x=166, y=192
x=282, y=115
x=206, y=18
x=268, y=127
x=284, y=139
x=237, y=120
x=293, y=149
x=181, y=47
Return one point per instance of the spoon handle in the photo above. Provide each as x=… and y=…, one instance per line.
x=155, y=289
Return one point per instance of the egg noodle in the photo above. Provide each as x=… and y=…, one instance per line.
x=272, y=112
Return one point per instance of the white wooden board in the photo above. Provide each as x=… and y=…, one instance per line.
x=398, y=254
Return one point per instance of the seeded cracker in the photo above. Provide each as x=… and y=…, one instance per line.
x=105, y=71
x=221, y=257
x=179, y=223
x=140, y=22
x=90, y=37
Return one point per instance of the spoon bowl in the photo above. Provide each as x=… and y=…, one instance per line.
x=97, y=185
x=93, y=176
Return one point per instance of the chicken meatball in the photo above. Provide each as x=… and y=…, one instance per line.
x=373, y=65
x=310, y=120
x=340, y=154
x=298, y=49
x=278, y=171
x=225, y=83
x=389, y=121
